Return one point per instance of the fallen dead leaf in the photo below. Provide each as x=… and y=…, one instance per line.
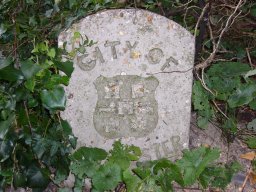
x=249, y=156
x=252, y=178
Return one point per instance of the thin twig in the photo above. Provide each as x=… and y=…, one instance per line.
x=161, y=7
x=186, y=12
x=241, y=189
x=231, y=59
x=184, y=5
x=229, y=21
x=249, y=57
x=17, y=48
x=203, y=82
x=27, y=114
x=217, y=107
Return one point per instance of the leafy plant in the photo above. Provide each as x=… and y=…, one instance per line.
x=106, y=170
x=35, y=143
x=231, y=88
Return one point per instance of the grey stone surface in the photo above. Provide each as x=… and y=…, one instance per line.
x=134, y=83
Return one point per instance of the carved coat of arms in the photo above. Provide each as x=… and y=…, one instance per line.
x=126, y=106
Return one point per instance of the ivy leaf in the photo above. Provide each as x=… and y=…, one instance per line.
x=67, y=131
x=54, y=148
x=39, y=146
x=60, y=175
x=4, y=62
x=6, y=147
x=107, y=178
x=30, y=84
x=5, y=126
x=37, y=177
x=9, y=73
x=51, y=53
x=3, y=29
x=242, y=96
x=29, y=69
x=32, y=21
x=66, y=67
x=56, y=80
x=48, y=13
x=54, y=99
x=19, y=180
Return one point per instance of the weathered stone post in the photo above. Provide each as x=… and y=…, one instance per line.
x=133, y=84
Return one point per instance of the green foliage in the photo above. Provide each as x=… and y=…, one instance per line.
x=123, y=155
x=35, y=143
x=232, y=86
x=200, y=98
x=107, y=177
x=34, y=140
x=105, y=170
x=218, y=177
x=193, y=163
x=251, y=142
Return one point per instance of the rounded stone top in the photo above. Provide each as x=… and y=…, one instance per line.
x=121, y=31
x=121, y=86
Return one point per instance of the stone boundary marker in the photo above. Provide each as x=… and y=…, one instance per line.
x=134, y=83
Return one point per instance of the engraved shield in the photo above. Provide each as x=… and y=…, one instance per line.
x=126, y=106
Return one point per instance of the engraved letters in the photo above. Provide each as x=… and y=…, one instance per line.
x=168, y=148
x=131, y=47
x=112, y=44
x=88, y=65
x=154, y=56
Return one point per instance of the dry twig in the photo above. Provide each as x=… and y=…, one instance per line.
x=249, y=57
x=229, y=22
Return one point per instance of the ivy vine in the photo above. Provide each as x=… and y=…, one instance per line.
x=36, y=144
